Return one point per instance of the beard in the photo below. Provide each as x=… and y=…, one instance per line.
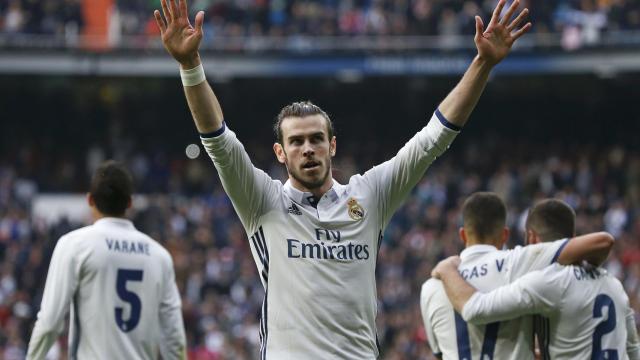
x=309, y=182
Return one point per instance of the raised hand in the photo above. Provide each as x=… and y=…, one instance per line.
x=179, y=37
x=494, y=42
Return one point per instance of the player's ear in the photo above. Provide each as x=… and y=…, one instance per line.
x=332, y=146
x=95, y=213
x=505, y=236
x=129, y=203
x=463, y=235
x=280, y=154
x=531, y=237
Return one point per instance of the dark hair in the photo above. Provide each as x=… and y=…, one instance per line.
x=552, y=219
x=300, y=109
x=484, y=214
x=111, y=188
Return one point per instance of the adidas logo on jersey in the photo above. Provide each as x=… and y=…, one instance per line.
x=293, y=209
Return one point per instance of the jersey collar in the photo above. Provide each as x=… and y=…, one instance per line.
x=476, y=249
x=302, y=197
x=113, y=221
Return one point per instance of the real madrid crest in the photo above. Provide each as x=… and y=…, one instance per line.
x=356, y=212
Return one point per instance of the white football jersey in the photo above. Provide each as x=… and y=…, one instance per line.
x=317, y=264
x=486, y=268
x=587, y=312
x=119, y=286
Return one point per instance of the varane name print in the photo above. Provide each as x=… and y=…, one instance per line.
x=127, y=247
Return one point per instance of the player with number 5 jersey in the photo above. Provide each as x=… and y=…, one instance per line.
x=117, y=283
x=486, y=266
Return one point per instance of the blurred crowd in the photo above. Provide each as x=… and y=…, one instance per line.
x=186, y=210
x=579, y=21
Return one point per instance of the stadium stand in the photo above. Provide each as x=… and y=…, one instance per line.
x=327, y=17
x=575, y=138
x=181, y=203
x=579, y=23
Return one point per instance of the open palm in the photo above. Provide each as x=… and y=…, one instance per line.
x=179, y=37
x=495, y=42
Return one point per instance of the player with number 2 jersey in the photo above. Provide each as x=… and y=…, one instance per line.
x=585, y=312
x=486, y=267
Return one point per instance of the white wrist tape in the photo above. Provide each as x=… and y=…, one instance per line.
x=192, y=77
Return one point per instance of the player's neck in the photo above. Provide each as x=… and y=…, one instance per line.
x=471, y=242
x=317, y=191
x=97, y=215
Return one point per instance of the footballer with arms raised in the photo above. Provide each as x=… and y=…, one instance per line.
x=315, y=241
x=486, y=266
x=117, y=283
x=586, y=312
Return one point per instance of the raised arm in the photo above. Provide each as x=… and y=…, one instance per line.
x=493, y=44
x=251, y=190
x=393, y=180
x=182, y=41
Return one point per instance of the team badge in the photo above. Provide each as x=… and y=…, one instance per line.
x=356, y=212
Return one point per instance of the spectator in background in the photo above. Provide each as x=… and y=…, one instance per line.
x=15, y=17
x=580, y=23
x=411, y=245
